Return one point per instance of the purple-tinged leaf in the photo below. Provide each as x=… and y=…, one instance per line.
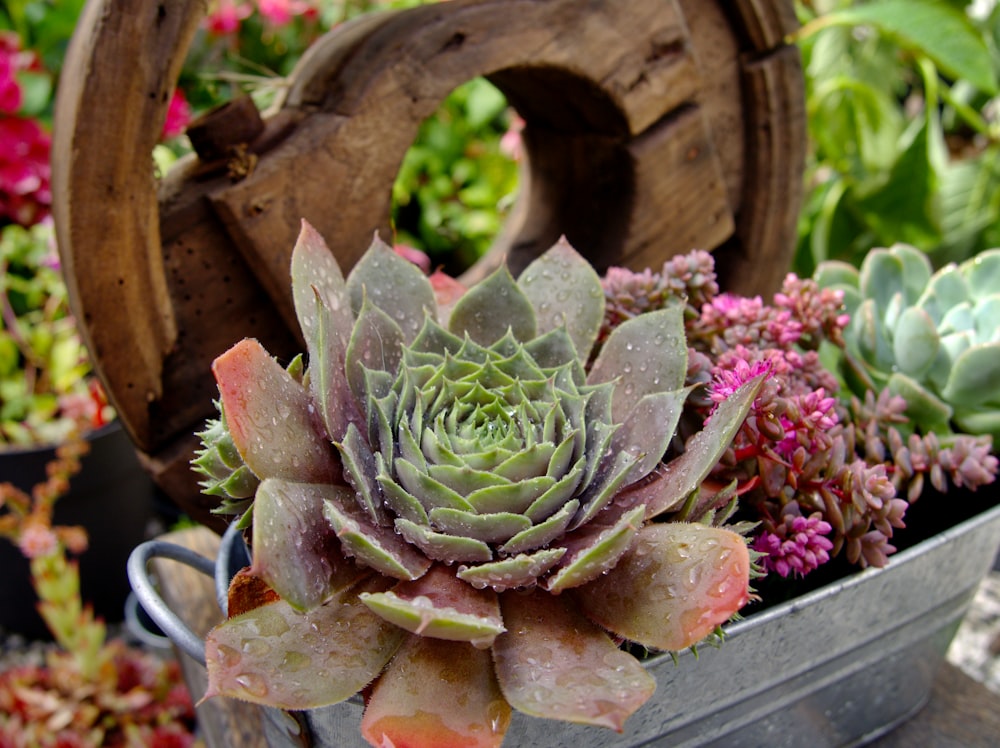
x=323, y=307
x=554, y=663
x=437, y=694
x=376, y=546
x=376, y=343
x=645, y=354
x=594, y=549
x=295, y=551
x=476, y=313
x=675, y=481
x=361, y=471
x=395, y=285
x=565, y=292
x=440, y=606
x=673, y=587
x=276, y=656
x=647, y=431
x=271, y=417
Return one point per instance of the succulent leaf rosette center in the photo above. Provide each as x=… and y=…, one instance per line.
x=445, y=468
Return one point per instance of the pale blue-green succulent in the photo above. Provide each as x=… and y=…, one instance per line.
x=931, y=337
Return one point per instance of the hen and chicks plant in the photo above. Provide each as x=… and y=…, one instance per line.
x=456, y=503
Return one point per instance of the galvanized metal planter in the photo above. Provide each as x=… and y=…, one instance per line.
x=835, y=667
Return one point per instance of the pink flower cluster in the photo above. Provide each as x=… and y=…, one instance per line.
x=25, y=192
x=796, y=545
x=225, y=16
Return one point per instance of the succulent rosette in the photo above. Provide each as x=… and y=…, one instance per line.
x=449, y=504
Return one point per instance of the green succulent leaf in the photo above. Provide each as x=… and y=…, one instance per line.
x=594, y=550
x=378, y=547
x=915, y=342
x=437, y=693
x=276, y=656
x=393, y=284
x=945, y=290
x=980, y=420
x=565, y=292
x=440, y=606
x=521, y=570
x=974, y=376
x=552, y=662
x=672, y=588
x=899, y=269
x=982, y=273
x=477, y=315
x=922, y=406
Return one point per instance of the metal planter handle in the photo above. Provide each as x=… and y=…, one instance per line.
x=231, y=552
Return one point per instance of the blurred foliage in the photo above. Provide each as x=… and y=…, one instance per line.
x=904, y=124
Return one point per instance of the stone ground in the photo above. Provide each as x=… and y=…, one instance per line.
x=976, y=647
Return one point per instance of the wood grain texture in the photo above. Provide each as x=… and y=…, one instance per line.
x=652, y=127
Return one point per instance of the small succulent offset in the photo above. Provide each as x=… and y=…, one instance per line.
x=931, y=337
x=452, y=504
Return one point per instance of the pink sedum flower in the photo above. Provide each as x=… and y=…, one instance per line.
x=796, y=546
x=37, y=540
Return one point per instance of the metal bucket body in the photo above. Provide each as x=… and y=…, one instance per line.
x=836, y=667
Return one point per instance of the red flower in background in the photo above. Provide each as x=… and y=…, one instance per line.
x=25, y=192
x=178, y=116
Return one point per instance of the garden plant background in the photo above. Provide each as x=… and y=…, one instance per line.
x=904, y=119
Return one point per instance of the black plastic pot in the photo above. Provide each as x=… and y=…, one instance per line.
x=112, y=497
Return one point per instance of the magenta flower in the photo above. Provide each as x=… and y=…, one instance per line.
x=798, y=545
x=728, y=380
x=225, y=17
x=25, y=192
x=178, y=116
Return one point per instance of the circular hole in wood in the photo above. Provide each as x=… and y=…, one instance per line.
x=458, y=180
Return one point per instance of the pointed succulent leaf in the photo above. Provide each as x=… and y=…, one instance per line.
x=522, y=570
x=294, y=549
x=553, y=349
x=565, y=292
x=594, y=550
x=702, y=452
x=394, y=285
x=552, y=662
x=440, y=606
x=915, y=342
x=673, y=587
x=544, y=532
x=611, y=479
x=922, y=406
x=361, y=472
x=982, y=273
x=376, y=343
x=437, y=694
x=476, y=313
x=645, y=354
x=443, y=547
x=648, y=429
x=322, y=305
x=974, y=376
x=270, y=417
x=490, y=528
x=378, y=547
x=276, y=656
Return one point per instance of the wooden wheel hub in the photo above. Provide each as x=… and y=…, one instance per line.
x=652, y=127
